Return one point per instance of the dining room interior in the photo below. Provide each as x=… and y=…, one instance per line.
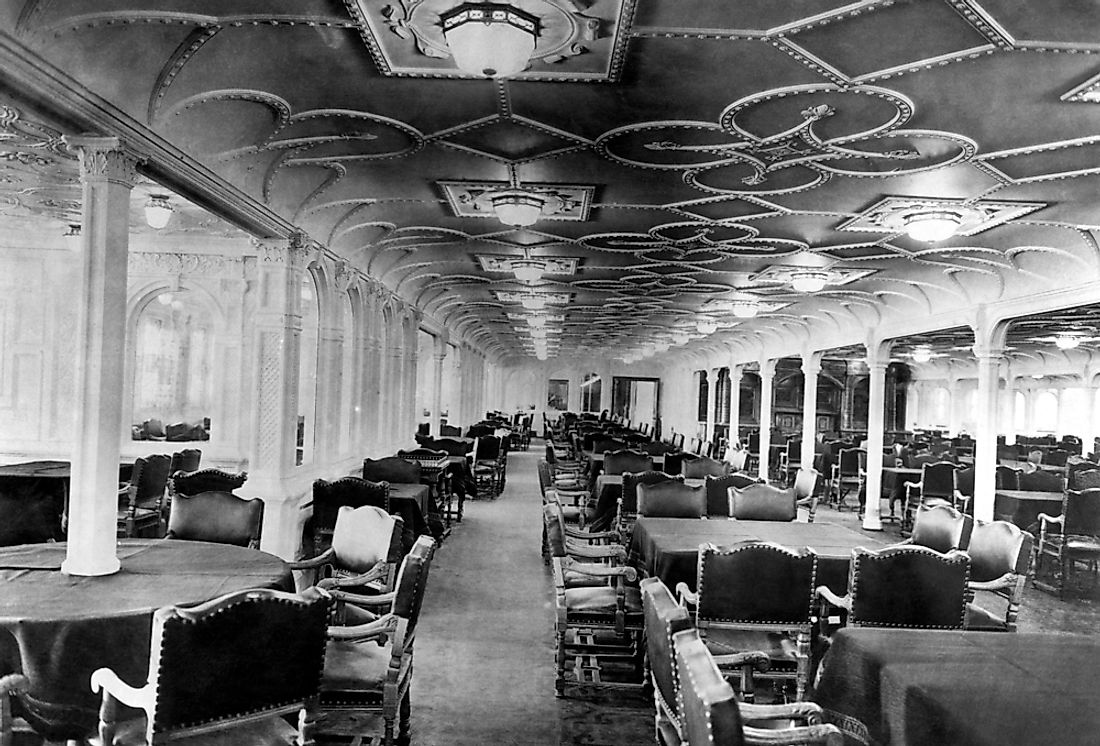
x=720, y=364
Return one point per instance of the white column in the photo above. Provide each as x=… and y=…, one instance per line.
x=811, y=366
x=955, y=404
x=985, y=452
x=878, y=356
x=1008, y=425
x=330, y=369
x=439, y=354
x=107, y=175
x=735, y=404
x=767, y=378
x=712, y=403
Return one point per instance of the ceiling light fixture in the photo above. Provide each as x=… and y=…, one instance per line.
x=932, y=225
x=158, y=211
x=662, y=346
x=533, y=302
x=527, y=271
x=680, y=338
x=71, y=237
x=538, y=332
x=706, y=326
x=536, y=322
x=745, y=308
x=490, y=40
x=809, y=280
x=541, y=354
x=517, y=208
x=921, y=354
x=1066, y=340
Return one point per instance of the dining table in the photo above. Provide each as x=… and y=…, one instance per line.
x=894, y=479
x=57, y=629
x=668, y=548
x=412, y=502
x=42, y=487
x=606, y=494
x=909, y=687
x=1022, y=507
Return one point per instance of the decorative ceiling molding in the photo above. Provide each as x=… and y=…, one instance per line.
x=1086, y=93
x=552, y=265
x=512, y=297
x=472, y=199
x=577, y=41
x=888, y=215
x=785, y=273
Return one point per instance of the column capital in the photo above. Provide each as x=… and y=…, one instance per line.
x=104, y=159
x=767, y=368
x=345, y=276
x=296, y=252
x=811, y=363
x=988, y=352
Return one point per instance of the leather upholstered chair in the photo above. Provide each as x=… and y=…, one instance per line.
x=220, y=517
x=703, y=467
x=1083, y=476
x=204, y=480
x=718, y=499
x=572, y=496
x=626, y=512
x=365, y=552
x=756, y=595
x=805, y=491
x=1000, y=556
x=1007, y=478
x=623, y=460
x=603, y=444
x=489, y=466
x=712, y=715
x=391, y=469
x=939, y=484
x=563, y=540
x=141, y=500
x=186, y=460
x=1072, y=537
x=849, y=473
x=763, y=502
x=224, y=671
x=352, y=491
x=369, y=666
x=904, y=586
x=941, y=527
x=672, y=499
x=1042, y=481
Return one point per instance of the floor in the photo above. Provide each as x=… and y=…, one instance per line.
x=484, y=649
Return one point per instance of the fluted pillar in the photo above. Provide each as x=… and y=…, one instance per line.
x=811, y=366
x=985, y=451
x=878, y=357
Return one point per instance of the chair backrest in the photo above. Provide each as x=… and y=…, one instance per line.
x=997, y=548
x=805, y=482
x=663, y=619
x=233, y=658
x=1084, y=478
x=672, y=499
x=391, y=469
x=718, y=499
x=205, y=480
x=452, y=446
x=152, y=479
x=365, y=536
x=602, y=444
x=941, y=527
x=475, y=431
x=488, y=448
x=737, y=458
x=794, y=450
x=351, y=491
x=1056, y=457
x=703, y=467
x=1007, y=478
x=1041, y=481
x=655, y=449
x=710, y=714
x=756, y=582
x=1081, y=509
x=623, y=460
x=450, y=431
x=554, y=523
x=628, y=502
x=220, y=517
x=27, y=519
x=763, y=502
x=545, y=480
x=412, y=579
x=186, y=460
x=908, y=586
x=939, y=479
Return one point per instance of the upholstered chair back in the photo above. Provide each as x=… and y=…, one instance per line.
x=663, y=619
x=674, y=461
x=711, y=714
x=1007, y=478
x=805, y=482
x=351, y=491
x=365, y=536
x=756, y=582
x=186, y=460
x=655, y=449
x=622, y=461
x=631, y=482
x=763, y=502
x=703, y=467
x=555, y=532
x=939, y=479
x=1081, y=509
x=1084, y=478
x=908, y=586
x=412, y=579
x=1041, y=481
x=153, y=477
x=220, y=517
x=718, y=500
x=452, y=446
x=997, y=548
x=672, y=499
x=205, y=480
x=604, y=444
x=941, y=527
x=392, y=469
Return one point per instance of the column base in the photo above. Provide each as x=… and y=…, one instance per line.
x=91, y=567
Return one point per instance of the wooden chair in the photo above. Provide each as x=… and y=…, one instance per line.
x=704, y=467
x=940, y=527
x=718, y=501
x=1000, y=556
x=351, y=491
x=763, y=502
x=849, y=473
x=805, y=491
x=391, y=469
x=186, y=460
x=712, y=715
x=1072, y=537
x=141, y=500
x=790, y=459
x=626, y=511
x=904, y=586
x=10, y=685
x=368, y=667
x=623, y=460
x=757, y=595
x=220, y=517
x=365, y=552
x=224, y=671
x=672, y=499
x=204, y=480
x=489, y=466
x=939, y=484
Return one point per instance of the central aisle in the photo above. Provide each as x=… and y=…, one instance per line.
x=484, y=666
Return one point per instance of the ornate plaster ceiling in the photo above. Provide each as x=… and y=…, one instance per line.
x=696, y=149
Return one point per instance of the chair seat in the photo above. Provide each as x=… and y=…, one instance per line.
x=601, y=599
x=1082, y=544
x=571, y=514
x=272, y=731
x=779, y=648
x=355, y=673
x=139, y=514
x=574, y=579
x=984, y=620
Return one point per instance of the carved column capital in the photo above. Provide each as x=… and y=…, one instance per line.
x=104, y=159
x=345, y=276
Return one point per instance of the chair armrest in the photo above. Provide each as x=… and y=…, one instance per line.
x=829, y=735
x=378, y=572
x=1005, y=581
x=599, y=571
x=605, y=552
x=843, y=602
x=115, y=688
x=13, y=683
x=320, y=560
x=591, y=536
x=685, y=595
x=377, y=631
x=382, y=599
x=810, y=712
x=758, y=659
x=1044, y=519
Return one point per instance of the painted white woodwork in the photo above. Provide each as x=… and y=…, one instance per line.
x=767, y=394
x=811, y=367
x=878, y=356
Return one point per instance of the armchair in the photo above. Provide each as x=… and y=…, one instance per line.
x=790, y=459
x=224, y=671
x=762, y=502
x=489, y=466
x=11, y=684
x=1000, y=554
x=672, y=499
x=703, y=467
x=805, y=491
x=220, y=517
x=141, y=500
x=849, y=472
x=598, y=547
x=623, y=460
x=366, y=549
x=352, y=491
x=204, y=480
x=940, y=527
x=626, y=510
x=712, y=714
x=368, y=667
x=1072, y=537
x=904, y=586
x=756, y=595
x=939, y=484
x=391, y=469
x=718, y=501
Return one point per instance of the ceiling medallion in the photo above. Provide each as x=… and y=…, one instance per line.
x=932, y=219
x=498, y=199
x=532, y=300
x=808, y=279
x=1086, y=93
x=551, y=40
x=527, y=269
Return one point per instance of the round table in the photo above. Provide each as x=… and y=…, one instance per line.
x=57, y=629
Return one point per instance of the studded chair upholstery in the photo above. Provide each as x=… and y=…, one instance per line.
x=672, y=499
x=623, y=460
x=258, y=656
x=718, y=501
x=1007, y=478
x=369, y=666
x=204, y=480
x=1072, y=537
x=1000, y=556
x=626, y=511
x=904, y=586
x=763, y=502
x=220, y=517
x=757, y=595
x=703, y=467
x=941, y=527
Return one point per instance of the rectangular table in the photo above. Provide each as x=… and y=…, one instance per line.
x=606, y=493
x=1023, y=507
x=668, y=548
x=920, y=687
